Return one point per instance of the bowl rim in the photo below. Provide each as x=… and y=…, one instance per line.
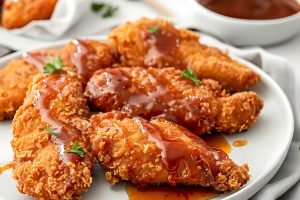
x=218, y=16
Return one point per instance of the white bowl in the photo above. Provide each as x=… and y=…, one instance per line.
x=243, y=32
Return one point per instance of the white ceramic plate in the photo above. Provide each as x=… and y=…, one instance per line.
x=268, y=143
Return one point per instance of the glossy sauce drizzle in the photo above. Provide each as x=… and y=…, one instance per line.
x=162, y=48
x=52, y=85
x=36, y=60
x=155, y=101
x=84, y=59
x=175, y=151
x=253, y=9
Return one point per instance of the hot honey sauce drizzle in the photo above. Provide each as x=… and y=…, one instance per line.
x=162, y=48
x=66, y=134
x=84, y=59
x=36, y=60
x=175, y=151
x=156, y=101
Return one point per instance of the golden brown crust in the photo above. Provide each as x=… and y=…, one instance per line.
x=16, y=14
x=14, y=80
x=127, y=149
x=16, y=76
x=164, y=92
x=38, y=166
x=133, y=48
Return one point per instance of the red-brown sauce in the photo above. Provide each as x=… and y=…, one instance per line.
x=217, y=140
x=169, y=193
x=178, y=192
x=253, y=9
x=240, y=143
x=174, y=151
x=84, y=59
x=66, y=133
x=161, y=48
x=36, y=60
x=154, y=101
x=5, y=167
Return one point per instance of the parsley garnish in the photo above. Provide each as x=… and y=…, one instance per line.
x=153, y=29
x=50, y=131
x=109, y=10
x=97, y=7
x=188, y=73
x=76, y=149
x=53, y=64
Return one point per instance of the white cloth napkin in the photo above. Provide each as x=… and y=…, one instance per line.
x=65, y=15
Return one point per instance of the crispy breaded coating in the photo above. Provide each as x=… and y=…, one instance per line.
x=52, y=117
x=165, y=93
x=16, y=76
x=16, y=14
x=159, y=152
x=14, y=80
x=157, y=43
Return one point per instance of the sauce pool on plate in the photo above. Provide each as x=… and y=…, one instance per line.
x=253, y=9
x=169, y=193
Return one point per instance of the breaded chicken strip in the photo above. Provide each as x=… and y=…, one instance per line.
x=16, y=14
x=165, y=93
x=14, y=80
x=160, y=152
x=45, y=126
x=157, y=43
x=82, y=56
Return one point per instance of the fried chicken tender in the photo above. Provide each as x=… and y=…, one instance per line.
x=159, y=152
x=51, y=118
x=157, y=43
x=165, y=93
x=16, y=14
x=16, y=76
x=14, y=80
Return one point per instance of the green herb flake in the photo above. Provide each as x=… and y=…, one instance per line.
x=109, y=11
x=76, y=149
x=153, y=29
x=97, y=7
x=50, y=131
x=189, y=74
x=53, y=64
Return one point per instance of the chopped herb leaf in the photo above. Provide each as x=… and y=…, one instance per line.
x=188, y=73
x=53, y=64
x=97, y=7
x=50, y=131
x=76, y=149
x=109, y=11
x=153, y=29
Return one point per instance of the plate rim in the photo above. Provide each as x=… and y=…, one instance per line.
x=250, y=189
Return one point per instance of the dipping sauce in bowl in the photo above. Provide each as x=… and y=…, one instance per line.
x=253, y=9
